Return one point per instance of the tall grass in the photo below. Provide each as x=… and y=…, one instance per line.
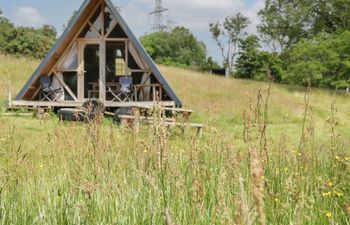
x=248, y=170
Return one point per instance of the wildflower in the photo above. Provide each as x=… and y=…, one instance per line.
x=41, y=166
x=286, y=169
x=325, y=194
x=346, y=158
x=337, y=157
x=276, y=199
x=329, y=214
x=2, y=139
x=330, y=184
x=339, y=194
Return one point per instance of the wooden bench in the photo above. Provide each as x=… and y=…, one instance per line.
x=186, y=113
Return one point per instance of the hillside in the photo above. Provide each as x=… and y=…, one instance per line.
x=71, y=173
x=218, y=101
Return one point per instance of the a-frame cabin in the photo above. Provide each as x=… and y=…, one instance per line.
x=96, y=49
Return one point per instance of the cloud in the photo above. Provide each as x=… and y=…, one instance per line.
x=28, y=16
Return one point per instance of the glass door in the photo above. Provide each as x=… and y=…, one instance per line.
x=91, y=71
x=89, y=77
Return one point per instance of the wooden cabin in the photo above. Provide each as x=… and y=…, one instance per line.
x=88, y=61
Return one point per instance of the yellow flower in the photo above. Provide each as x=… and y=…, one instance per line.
x=329, y=214
x=2, y=139
x=338, y=194
x=325, y=194
x=337, y=157
x=346, y=158
x=286, y=169
x=330, y=184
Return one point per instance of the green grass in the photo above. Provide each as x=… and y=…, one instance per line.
x=62, y=173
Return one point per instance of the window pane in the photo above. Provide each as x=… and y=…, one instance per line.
x=71, y=80
x=117, y=32
x=70, y=62
x=96, y=20
x=115, y=61
x=88, y=33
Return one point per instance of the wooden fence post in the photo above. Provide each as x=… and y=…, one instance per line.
x=10, y=95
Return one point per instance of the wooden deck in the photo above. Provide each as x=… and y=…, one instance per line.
x=77, y=103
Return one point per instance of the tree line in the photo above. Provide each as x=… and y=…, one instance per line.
x=298, y=42
x=25, y=41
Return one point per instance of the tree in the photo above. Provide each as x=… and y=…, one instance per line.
x=177, y=47
x=7, y=30
x=283, y=23
x=253, y=63
x=248, y=64
x=227, y=36
x=329, y=16
x=324, y=61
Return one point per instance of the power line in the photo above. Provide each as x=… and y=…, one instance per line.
x=158, y=16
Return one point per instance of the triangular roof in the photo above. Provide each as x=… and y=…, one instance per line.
x=56, y=51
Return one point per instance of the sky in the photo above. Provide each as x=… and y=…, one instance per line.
x=193, y=14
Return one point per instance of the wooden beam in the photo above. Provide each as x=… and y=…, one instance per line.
x=35, y=93
x=65, y=70
x=126, y=58
x=70, y=92
x=114, y=24
x=140, y=71
x=102, y=77
x=94, y=29
x=62, y=104
x=80, y=88
x=117, y=39
x=103, y=18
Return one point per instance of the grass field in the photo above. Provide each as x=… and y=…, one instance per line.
x=257, y=163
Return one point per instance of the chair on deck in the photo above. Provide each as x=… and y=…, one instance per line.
x=124, y=94
x=47, y=92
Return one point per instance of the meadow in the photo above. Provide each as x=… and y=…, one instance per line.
x=270, y=154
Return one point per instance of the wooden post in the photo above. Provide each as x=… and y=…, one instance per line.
x=81, y=71
x=126, y=58
x=136, y=123
x=10, y=95
x=199, y=132
x=102, y=79
x=154, y=93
